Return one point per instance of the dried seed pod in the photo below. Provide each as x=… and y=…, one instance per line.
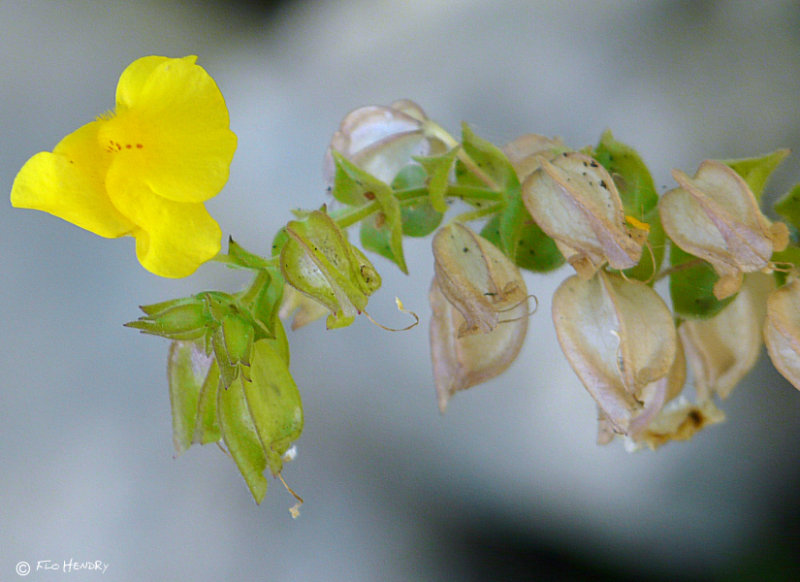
x=574, y=200
x=381, y=140
x=460, y=362
x=715, y=216
x=475, y=277
x=620, y=339
x=524, y=152
x=679, y=420
x=782, y=330
x=723, y=349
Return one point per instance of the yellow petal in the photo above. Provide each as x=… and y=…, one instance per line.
x=172, y=238
x=69, y=184
x=171, y=130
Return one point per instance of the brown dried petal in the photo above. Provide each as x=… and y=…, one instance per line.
x=476, y=277
x=619, y=336
x=715, y=216
x=723, y=349
x=574, y=200
x=782, y=330
x=462, y=362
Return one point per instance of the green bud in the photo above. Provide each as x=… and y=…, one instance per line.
x=180, y=319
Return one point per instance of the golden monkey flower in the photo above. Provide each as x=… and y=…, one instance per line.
x=144, y=170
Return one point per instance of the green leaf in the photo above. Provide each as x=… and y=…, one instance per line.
x=692, y=286
x=419, y=218
x=438, y=170
x=757, y=171
x=536, y=251
x=356, y=187
x=788, y=207
x=514, y=217
x=187, y=368
x=274, y=403
x=639, y=198
x=241, y=438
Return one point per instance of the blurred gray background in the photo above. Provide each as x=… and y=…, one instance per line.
x=509, y=484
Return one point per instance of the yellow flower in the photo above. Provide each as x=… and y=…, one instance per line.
x=144, y=170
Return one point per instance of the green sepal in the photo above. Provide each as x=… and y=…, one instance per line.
x=639, y=198
x=491, y=160
x=232, y=342
x=536, y=251
x=207, y=428
x=790, y=254
x=692, y=287
x=319, y=261
x=438, y=171
x=757, y=171
x=356, y=187
x=274, y=403
x=263, y=301
x=788, y=207
x=241, y=438
x=419, y=217
x=240, y=257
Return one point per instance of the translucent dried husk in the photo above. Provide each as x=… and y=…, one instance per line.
x=620, y=339
x=716, y=217
x=382, y=140
x=723, y=349
x=460, y=362
x=524, y=152
x=679, y=420
x=782, y=330
x=476, y=278
x=574, y=200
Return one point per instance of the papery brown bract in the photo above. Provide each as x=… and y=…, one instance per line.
x=475, y=277
x=782, y=330
x=723, y=349
x=574, y=200
x=679, y=420
x=620, y=339
x=715, y=216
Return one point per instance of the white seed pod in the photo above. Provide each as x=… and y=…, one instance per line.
x=574, y=200
x=782, y=330
x=715, y=216
x=620, y=339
